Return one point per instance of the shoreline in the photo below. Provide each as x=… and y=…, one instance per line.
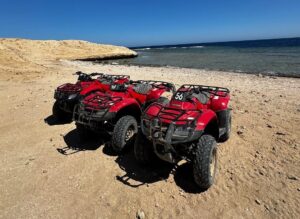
x=260, y=74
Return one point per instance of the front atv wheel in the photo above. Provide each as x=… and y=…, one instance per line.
x=59, y=114
x=205, y=161
x=226, y=135
x=143, y=149
x=124, y=133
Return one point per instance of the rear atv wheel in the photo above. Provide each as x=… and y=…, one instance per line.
x=205, y=161
x=124, y=133
x=59, y=114
x=143, y=149
x=226, y=135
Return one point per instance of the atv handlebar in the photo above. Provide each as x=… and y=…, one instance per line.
x=91, y=74
x=116, y=77
x=96, y=74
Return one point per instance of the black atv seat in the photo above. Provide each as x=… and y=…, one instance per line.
x=142, y=88
x=105, y=81
x=118, y=87
x=203, y=97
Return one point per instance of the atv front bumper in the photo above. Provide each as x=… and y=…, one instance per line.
x=169, y=134
x=66, y=101
x=164, y=138
x=94, y=119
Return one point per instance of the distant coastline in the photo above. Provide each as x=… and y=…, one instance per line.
x=293, y=41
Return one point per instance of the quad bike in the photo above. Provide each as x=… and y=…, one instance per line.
x=117, y=112
x=188, y=127
x=67, y=95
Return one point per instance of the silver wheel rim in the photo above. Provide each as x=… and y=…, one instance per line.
x=213, y=164
x=129, y=134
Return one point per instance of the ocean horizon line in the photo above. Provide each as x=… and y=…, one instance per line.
x=284, y=41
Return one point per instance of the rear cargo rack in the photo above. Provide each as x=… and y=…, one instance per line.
x=70, y=88
x=217, y=91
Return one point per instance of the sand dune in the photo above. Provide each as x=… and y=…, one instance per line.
x=24, y=55
x=258, y=172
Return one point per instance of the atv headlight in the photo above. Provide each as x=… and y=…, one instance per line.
x=190, y=118
x=72, y=96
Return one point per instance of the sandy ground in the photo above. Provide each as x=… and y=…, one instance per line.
x=258, y=170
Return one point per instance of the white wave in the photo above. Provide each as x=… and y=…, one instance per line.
x=171, y=47
x=185, y=47
x=141, y=49
x=196, y=46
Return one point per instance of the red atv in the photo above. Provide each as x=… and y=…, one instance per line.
x=188, y=127
x=118, y=111
x=67, y=95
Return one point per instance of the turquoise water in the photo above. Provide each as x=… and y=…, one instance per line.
x=271, y=57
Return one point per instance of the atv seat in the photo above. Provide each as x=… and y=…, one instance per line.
x=118, y=87
x=142, y=88
x=105, y=81
x=203, y=97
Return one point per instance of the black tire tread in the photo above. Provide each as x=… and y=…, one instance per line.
x=118, y=136
x=226, y=135
x=201, y=161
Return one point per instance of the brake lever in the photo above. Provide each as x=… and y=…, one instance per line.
x=78, y=73
x=95, y=74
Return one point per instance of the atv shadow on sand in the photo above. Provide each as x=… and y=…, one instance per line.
x=52, y=120
x=184, y=179
x=108, y=150
x=136, y=175
x=75, y=144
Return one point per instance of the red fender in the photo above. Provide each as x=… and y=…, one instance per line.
x=140, y=97
x=153, y=109
x=155, y=94
x=124, y=103
x=220, y=103
x=92, y=87
x=205, y=118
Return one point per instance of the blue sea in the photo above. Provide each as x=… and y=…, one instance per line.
x=270, y=57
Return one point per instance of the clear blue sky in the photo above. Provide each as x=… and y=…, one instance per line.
x=153, y=22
